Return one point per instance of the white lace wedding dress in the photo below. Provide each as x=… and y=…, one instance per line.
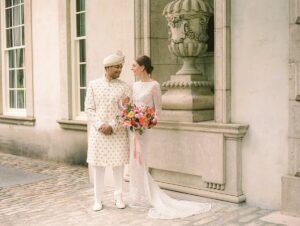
x=144, y=191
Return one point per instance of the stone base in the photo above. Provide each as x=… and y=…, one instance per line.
x=192, y=184
x=187, y=116
x=291, y=195
x=198, y=158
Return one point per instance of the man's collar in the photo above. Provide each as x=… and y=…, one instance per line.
x=109, y=81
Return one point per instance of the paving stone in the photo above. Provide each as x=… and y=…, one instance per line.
x=248, y=218
x=65, y=197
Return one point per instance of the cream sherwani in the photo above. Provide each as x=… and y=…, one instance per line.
x=102, y=104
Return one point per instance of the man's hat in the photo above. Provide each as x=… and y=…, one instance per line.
x=114, y=59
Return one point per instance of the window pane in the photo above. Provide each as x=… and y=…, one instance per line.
x=80, y=21
x=12, y=102
x=22, y=14
x=12, y=79
x=16, y=15
x=8, y=3
x=80, y=5
x=11, y=58
x=23, y=36
x=20, y=78
x=17, y=32
x=82, y=75
x=81, y=50
x=82, y=98
x=16, y=2
x=20, y=99
x=9, y=38
x=19, y=57
x=8, y=17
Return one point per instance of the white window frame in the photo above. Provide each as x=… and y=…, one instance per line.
x=75, y=52
x=5, y=111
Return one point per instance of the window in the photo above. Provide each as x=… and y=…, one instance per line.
x=73, y=63
x=14, y=56
x=79, y=66
x=16, y=77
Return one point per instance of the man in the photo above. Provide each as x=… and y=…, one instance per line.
x=107, y=140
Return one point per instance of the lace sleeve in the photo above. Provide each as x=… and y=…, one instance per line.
x=90, y=108
x=156, y=95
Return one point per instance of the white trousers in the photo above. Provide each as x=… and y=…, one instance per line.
x=98, y=173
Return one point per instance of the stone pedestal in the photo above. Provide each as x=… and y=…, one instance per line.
x=188, y=99
x=290, y=195
x=198, y=158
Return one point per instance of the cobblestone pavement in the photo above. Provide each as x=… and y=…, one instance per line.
x=65, y=198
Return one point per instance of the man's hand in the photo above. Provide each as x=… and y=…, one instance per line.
x=125, y=101
x=106, y=129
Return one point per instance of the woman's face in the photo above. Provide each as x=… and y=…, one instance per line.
x=137, y=69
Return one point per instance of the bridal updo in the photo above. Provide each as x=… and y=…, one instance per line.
x=146, y=62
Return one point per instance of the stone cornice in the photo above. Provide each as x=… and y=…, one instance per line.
x=16, y=120
x=73, y=124
x=229, y=130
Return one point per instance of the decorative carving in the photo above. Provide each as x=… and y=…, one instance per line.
x=187, y=84
x=187, y=23
x=189, y=90
x=215, y=186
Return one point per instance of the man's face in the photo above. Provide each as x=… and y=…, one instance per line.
x=114, y=72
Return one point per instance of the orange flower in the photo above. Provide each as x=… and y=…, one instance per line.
x=150, y=111
x=143, y=121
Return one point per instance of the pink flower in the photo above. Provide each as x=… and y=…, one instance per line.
x=126, y=124
x=154, y=121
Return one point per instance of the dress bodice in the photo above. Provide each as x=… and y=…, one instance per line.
x=147, y=93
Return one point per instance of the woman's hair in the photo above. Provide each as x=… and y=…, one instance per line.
x=146, y=62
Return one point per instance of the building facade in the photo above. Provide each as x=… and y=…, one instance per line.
x=244, y=147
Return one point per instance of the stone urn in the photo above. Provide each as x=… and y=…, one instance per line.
x=189, y=95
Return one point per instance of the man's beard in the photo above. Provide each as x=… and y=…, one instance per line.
x=115, y=76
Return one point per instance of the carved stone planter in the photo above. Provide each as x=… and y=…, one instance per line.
x=189, y=96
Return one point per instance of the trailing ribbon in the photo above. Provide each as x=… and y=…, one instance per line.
x=136, y=154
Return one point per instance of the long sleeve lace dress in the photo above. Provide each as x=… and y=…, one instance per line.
x=144, y=191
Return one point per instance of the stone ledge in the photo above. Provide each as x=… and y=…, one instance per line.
x=72, y=124
x=203, y=193
x=17, y=120
x=209, y=126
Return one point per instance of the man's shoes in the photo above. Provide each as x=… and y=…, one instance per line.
x=97, y=206
x=119, y=202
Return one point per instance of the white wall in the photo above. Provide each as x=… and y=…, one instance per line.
x=45, y=139
x=109, y=27
x=260, y=95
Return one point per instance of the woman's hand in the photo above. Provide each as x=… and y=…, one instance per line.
x=125, y=101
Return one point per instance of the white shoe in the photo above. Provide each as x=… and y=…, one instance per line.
x=119, y=202
x=97, y=206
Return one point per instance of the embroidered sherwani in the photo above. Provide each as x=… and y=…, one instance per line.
x=102, y=104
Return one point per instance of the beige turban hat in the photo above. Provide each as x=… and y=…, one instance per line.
x=114, y=59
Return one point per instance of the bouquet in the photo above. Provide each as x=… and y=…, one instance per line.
x=137, y=119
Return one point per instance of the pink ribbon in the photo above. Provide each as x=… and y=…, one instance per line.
x=135, y=153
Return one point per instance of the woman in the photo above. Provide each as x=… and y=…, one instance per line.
x=144, y=191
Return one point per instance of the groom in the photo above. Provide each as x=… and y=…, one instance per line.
x=107, y=140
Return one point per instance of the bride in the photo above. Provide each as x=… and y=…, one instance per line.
x=143, y=190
